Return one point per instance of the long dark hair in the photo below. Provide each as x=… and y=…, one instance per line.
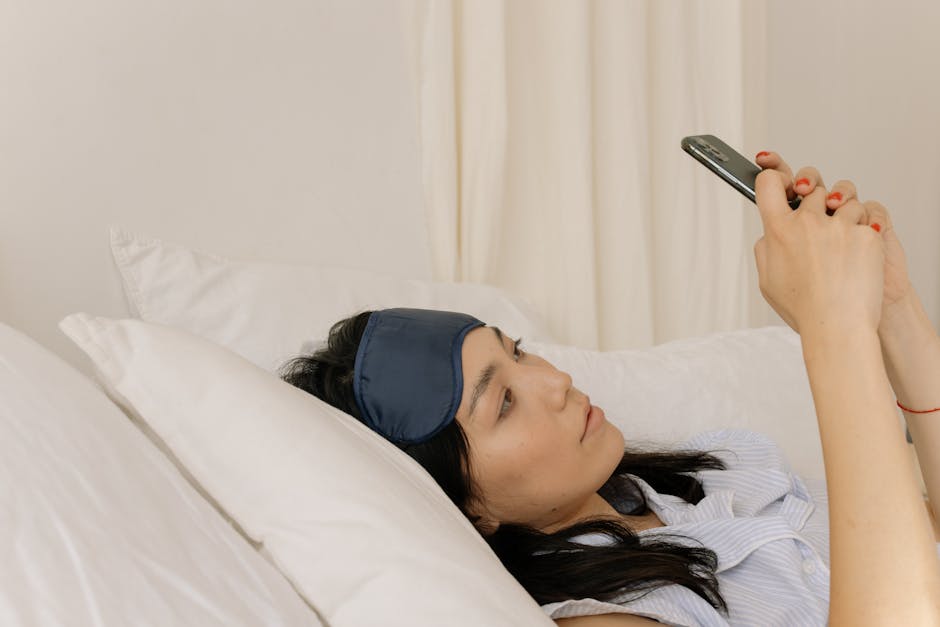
x=548, y=565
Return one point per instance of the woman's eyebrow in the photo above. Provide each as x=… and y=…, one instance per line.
x=486, y=375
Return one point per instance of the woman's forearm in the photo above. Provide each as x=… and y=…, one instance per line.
x=883, y=559
x=911, y=351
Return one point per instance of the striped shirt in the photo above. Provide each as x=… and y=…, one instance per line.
x=768, y=527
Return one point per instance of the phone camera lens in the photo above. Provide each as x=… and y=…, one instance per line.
x=711, y=150
x=717, y=154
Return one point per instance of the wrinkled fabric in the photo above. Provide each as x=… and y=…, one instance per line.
x=768, y=527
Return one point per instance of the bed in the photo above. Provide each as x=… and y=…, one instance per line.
x=191, y=194
x=177, y=480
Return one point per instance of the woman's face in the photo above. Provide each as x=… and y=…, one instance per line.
x=530, y=457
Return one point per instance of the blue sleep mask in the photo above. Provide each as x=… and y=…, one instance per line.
x=408, y=378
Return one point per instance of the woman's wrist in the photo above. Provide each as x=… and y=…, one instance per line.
x=904, y=326
x=910, y=348
x=822, y=343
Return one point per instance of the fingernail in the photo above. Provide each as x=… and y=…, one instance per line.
x=803, y=181
x=876, y=226
x=836, y=195
x=762, y=153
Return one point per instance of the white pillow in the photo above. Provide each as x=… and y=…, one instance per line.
x=266, y=312
x=752, y=379
x=363, y=532
x=99, y=528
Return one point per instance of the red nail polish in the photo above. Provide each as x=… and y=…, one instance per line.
x=876, y=226
x=836, y=195
x=802, y=181
x=762, y=153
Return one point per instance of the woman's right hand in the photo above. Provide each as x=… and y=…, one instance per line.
x=818, y=272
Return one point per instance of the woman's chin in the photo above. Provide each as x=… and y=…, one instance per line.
x=614, y=432
x=617, y=442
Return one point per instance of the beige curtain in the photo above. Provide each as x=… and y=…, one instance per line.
x=549, y=134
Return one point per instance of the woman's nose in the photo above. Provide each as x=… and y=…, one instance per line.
x=557, y=383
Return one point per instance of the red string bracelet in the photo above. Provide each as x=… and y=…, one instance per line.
x=914, y=411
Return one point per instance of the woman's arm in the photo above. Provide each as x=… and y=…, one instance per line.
x=911, y=352
x=824, y=275
x=884, y=567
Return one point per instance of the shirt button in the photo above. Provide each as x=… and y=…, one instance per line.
x=809, y=566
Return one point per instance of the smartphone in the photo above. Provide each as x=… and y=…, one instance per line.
x=727, y=163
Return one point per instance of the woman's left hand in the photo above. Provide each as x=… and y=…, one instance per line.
x=805, y=182
x=897, y=284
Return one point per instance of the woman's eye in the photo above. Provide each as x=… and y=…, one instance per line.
x=507, y=398
x=507, y=402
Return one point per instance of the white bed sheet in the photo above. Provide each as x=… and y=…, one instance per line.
x=97, y=527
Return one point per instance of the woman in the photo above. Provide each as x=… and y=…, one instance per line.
x=574, y=515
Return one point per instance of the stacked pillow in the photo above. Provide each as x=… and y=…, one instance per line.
x=265, y=312
x=357, y=526
x=752, y=378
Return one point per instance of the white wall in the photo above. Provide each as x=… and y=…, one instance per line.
x=262, y=130
x=854, y=89
x=280, y=131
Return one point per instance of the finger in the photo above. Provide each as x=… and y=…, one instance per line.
x=766, y=159
x=772, y=160
x=807, y=179
x=815, y=201
x=853, y=212
x=878, y=213
x=840, y=193
x=771, y=197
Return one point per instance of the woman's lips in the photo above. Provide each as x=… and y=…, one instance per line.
x=593, y=416
x=594, y=421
